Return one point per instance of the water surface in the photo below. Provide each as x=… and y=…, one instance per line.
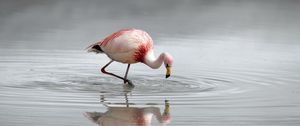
x=232, y=66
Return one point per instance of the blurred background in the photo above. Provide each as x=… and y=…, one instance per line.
x=74, y=24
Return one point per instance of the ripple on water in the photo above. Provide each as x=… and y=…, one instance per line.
x=207, y=83
x=144, y=84
x=68, y=74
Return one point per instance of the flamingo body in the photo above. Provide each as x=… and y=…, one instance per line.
x=127, y=46
x=131, y=46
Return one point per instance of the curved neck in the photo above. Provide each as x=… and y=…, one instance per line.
x=153, y=62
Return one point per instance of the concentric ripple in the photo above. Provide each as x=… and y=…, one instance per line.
x=145, y=84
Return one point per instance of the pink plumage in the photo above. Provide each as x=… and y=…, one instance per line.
x=130, y=46
x=127, y=45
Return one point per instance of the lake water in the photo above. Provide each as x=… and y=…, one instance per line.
x=231, y=67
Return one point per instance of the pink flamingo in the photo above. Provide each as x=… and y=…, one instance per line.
x=130, y=116
x=131, y=46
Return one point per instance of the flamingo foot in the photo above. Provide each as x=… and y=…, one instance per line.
x=129, y=83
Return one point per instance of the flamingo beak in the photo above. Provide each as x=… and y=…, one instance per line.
x=169, y=70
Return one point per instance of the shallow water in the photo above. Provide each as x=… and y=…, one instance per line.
x=228, y=70
x=57, y=88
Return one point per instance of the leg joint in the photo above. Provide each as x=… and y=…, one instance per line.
x=103, y=70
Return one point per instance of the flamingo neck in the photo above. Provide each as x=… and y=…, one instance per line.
x=153, y=62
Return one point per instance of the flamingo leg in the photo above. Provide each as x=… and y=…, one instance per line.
x=125, y=77
x=105, y=72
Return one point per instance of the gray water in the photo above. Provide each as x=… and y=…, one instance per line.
x=236, y=63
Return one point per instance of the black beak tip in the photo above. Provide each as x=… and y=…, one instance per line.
x=167, y=76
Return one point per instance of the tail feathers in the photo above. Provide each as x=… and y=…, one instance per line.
x=94, y=48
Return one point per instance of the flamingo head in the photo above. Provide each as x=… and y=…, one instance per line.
x=168, y=61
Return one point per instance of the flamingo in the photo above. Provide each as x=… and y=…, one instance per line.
x=130, y=115
x=131, y=46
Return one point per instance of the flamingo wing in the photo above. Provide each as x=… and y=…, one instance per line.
x=126, y=46
x=107, y=39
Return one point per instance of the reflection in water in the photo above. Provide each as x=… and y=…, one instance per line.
x=129, y=116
